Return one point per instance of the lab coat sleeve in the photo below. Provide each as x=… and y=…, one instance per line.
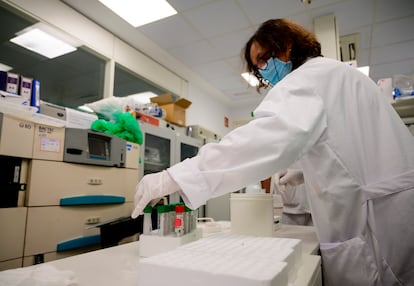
x=287, y=123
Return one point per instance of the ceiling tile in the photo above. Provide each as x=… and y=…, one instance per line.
x=393, y=32
x=349, y=19
x=392, y=53
x=197, y=53
x=214, y=70
x=390, y=69
x=217, y=18
x=387, y=10
x=262, y=10
x=182, y=5
x=231, y=44
x=164, y=32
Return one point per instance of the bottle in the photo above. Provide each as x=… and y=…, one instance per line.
x=179, y=220
x=147, y=228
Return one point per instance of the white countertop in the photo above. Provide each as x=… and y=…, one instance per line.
x=310, y=243
x=118, y=265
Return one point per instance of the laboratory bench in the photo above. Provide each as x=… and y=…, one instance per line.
x=118, y=265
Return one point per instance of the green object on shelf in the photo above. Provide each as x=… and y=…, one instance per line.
x=125, y=127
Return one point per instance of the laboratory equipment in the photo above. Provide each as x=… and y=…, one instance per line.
x=89, y=147
x=252, y=214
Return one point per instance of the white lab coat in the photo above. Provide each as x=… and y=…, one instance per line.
x=356, y=155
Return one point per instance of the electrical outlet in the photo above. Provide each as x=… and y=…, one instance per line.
x=95, y=181
x=92, y=220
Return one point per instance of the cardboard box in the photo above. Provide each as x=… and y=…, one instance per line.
x=175, y=109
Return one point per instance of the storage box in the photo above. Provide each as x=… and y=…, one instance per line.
x=26, y=88
x=9, y=82
x=175, y=109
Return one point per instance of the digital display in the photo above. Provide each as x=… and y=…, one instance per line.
x=99, y=146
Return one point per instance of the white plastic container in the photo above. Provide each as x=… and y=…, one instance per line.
x=252, y=214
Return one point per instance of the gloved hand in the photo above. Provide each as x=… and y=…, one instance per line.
x=151, y=189
x=292, y=177
x=278, y=187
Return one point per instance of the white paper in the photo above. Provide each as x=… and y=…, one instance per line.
x=79, y=119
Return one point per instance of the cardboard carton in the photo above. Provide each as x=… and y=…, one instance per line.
x=175, y=109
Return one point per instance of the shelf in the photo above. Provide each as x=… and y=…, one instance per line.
x=404, y=107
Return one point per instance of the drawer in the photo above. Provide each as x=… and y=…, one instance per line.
x=68, y=227
x=51, y=181
x=12, y=226
x=11, y=264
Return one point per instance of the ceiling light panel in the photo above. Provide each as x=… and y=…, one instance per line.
x=139, y=12
x=42, y=43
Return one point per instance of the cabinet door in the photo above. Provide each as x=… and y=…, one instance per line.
x=12, y=225
x=158, y=149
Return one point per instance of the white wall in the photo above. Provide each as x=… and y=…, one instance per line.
x=206, y=111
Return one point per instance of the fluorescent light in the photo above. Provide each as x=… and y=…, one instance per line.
x=364, y=70
x=42, y=43
x=250, y=78
x=4, y=67
x=140, y=12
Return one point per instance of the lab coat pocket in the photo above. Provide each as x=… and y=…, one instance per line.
x=352, y=260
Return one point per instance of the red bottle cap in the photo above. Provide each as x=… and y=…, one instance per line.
x=179, y=209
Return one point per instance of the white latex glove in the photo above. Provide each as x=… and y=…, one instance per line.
x=276, y=181
x=293, y=177
x=151, y=189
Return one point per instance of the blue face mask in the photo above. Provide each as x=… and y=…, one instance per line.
x=275, y=70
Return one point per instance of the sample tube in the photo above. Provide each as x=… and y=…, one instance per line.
x=187, y=220
x=179, y=220
x=171, y=217
x=147, y=227
x=163, y=228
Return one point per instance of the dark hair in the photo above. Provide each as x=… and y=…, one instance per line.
x=274, y=36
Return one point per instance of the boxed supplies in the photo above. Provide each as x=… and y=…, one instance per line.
x=9, y=82
x=175, y=109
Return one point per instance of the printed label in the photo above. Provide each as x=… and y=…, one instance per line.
x=50, y=145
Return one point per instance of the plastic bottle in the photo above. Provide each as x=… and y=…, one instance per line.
x=147, y=227
x=179, y=220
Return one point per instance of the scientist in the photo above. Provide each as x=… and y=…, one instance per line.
x=289, y=184
x=356, y=155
